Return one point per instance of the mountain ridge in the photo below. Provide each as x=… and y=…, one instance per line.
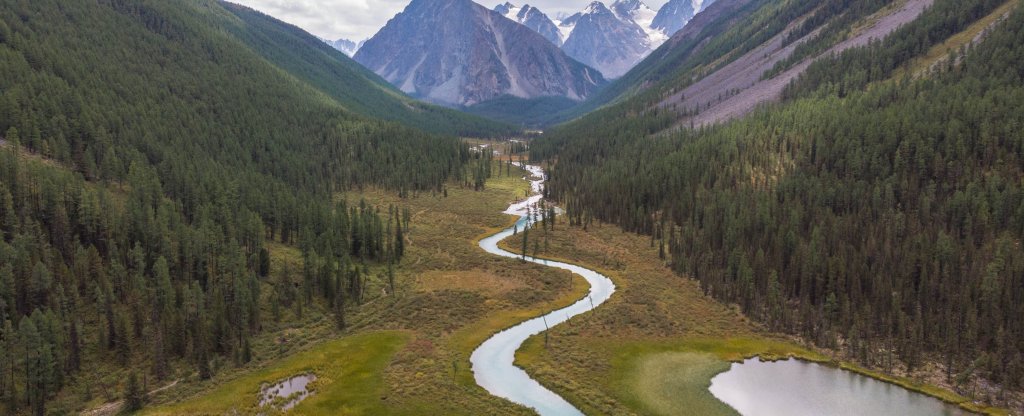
x=477, y=55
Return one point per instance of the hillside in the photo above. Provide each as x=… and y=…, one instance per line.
x=153, y=167
x=876, y=215
x=357, y=89
x=677, y=55
x=739, y=54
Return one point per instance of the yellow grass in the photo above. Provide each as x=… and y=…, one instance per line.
x=349, y=381
x=940, y=53
x=654, y=347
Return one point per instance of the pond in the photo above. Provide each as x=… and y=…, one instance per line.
x=798, y=388
x=287, y=393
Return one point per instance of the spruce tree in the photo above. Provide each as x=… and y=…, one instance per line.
x=134, y=397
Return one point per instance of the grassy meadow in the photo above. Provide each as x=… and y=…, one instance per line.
x=401, y=352
x=654, y=347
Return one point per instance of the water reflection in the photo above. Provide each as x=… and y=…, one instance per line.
x=798, y=388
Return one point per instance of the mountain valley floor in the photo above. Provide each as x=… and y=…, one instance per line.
x=654, y=346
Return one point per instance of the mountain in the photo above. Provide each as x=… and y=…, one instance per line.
x=345, y=46
x=351, y=85
x=456, y=52
x=604, y=41
x=638, y=12
x=675, y=14
x=532, y=18
x=832, y=168
x=566, y=24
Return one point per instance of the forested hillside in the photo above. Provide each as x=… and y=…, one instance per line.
x=148, y=161
x=877, y=215
x=701, y=42
x=356, y=88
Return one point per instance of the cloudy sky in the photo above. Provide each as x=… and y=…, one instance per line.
x=360, y=19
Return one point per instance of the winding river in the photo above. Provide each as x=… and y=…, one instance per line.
x=752, y=388
x=492, y=361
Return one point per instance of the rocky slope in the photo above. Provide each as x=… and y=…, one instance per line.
x=457, y=52
x=675, y=14
x=604, y=41
x=532, y=18
x=743, y=78
x=346, y=46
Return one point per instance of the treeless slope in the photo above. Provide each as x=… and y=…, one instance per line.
x=737, y=88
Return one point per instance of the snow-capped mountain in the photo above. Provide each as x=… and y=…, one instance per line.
x=638, y=12
x=607, y=41
x=566, y=24
x=460, y=53
x=532, y=18
x=610, y=38
x=675, y=14
x=345, y=46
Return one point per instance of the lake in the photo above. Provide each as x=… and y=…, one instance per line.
x=798, y=388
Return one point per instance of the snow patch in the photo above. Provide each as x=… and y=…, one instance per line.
x=565, y=28
x=512, y=11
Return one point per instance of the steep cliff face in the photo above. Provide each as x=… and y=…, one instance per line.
x=532, y=18
x=640, y=13
x=604, y=41
x=457, y=52
x=675, y=14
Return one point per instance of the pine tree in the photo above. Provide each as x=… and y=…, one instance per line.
x=38, y=362
x=264, y=262
x=134, y=397
x=6, y=362
x=526, y=234
x=399, y=243
x=8, y=220
x=40, y=284
x=339, y=310
x=161, y=303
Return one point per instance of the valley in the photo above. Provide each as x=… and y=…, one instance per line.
x=673, y=207
x=450, y=296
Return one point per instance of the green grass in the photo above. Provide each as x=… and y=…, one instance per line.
x=656, y=345
x=661, y=377
x=663, y=383
x=349, y=381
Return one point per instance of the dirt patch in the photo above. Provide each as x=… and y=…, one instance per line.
x=480, y=281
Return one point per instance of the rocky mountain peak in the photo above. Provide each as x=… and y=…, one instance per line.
x=459, y=53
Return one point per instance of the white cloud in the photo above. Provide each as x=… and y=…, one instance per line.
x=361, y=19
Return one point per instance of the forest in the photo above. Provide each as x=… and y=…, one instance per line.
x=876, y=215
x=148, y=161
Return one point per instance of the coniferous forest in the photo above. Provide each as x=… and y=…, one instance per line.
x=148, y=157
x=878, y=214
x=186, y=183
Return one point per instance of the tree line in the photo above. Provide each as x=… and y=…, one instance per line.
x=149, y=164
x=885, y=221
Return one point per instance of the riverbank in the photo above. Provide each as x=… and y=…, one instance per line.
x=450, y=297
x=493, y=361
x=610, y=363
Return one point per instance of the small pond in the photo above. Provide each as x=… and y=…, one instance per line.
x=798, y=388
x=286, y=394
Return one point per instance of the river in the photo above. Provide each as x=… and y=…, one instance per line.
x=493, y=360
x=753, y=388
